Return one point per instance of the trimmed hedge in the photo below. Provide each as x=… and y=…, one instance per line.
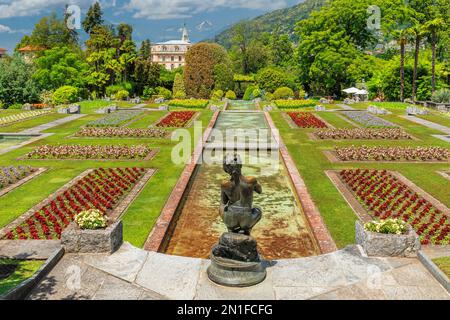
x=294, y=104
x=192, y=103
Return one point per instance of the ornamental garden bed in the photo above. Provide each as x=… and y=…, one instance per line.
x=13, y=177
x=388, y=154
x=305, y=120
x=445, y=174
x=294, y=104
x=192, y=103
x=116, y=119
x=109, y=190
x=366, y=119
x=91, y=152
x=361, y=134
x=381, y=194
x=121, y=132
x=22, y=116
x=177, y=119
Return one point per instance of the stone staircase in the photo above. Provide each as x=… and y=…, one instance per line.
x=132, y=273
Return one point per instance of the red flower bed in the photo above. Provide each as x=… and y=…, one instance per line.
x=306, y=120
x=176, y=119
x=384, y=196
x=102, y=189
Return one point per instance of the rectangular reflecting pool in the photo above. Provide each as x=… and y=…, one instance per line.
x=283, y=232
x=7, y=141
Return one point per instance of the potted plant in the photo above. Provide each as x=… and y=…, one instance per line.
x=387, y=238
x=92, y=232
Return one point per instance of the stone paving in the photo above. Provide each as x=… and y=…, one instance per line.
x=132, y=273
x=429, y=124
x=28, y=249
x=49, y=125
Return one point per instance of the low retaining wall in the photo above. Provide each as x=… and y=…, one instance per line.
x=22, y=290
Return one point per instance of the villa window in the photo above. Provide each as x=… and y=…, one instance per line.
x=177, y=48
x=173, y=58
x=180, y=58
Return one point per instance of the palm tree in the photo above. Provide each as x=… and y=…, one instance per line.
x=433, y=28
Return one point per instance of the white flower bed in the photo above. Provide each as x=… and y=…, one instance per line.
x=22, y=116
x=367, y=119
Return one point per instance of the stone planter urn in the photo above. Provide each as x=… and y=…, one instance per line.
x=387, y=245
x=76, y=240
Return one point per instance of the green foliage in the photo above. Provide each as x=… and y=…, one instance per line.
x=284, y=19
x=163, y=92
x=269, y=79
x=178, y=87
x=230, y=95
x=50, y=32
x=244, y=78
x=441, y=96
x=217, y=95
x=248, y=95
x=269, y=96
x=191, y=103
x=223, y=77
x=16, y=82
x=283, y=93
x=257, y=93
x=46, y=97
x=65, y=95
x=94, y=18
x=122, y=95
x=60, y=66
x=202, y=69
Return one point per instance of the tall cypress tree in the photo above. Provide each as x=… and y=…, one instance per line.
x=94, y=18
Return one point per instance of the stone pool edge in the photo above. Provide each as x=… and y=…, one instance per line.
x=156, y=237
x=318, y=227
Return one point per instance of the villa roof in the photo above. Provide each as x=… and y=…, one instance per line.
x=3, y=50
x=174, y=42
x=30, y=49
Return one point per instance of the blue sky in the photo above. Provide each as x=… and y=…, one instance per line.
x=157, y=20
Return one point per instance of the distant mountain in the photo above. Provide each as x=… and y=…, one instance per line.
x=283, y=19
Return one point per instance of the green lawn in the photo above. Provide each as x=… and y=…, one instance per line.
x=141, y=215
x=443, y=264
x=311, y=163
x=437, y=118
x=25, y=269
x=28, y=124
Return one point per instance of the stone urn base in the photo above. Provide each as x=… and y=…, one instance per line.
x=388, y=245
x=232, y=273
x=76, y=240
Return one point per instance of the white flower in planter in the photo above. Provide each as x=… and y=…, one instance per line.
x=92, y=219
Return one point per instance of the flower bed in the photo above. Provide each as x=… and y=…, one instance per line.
x=97, y=152
x=362, y=133
x=392, y=153
x=102, y=189
x=386, y=197
x=121, y=132
x=192, y=103
x=306, y=120
x=10, y=175
x=294, y=104
x=366, y=119
x=22, y=116
x=176, y=119
x=115, y=119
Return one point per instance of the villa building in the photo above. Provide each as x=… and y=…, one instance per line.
x=171, y=54
x=29, y=52
x=2, y=52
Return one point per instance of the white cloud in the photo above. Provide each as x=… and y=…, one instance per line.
x=27, y=8
x=175, y=9
x=5, y=29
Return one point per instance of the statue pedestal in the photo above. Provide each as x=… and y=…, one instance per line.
x=232, y=273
